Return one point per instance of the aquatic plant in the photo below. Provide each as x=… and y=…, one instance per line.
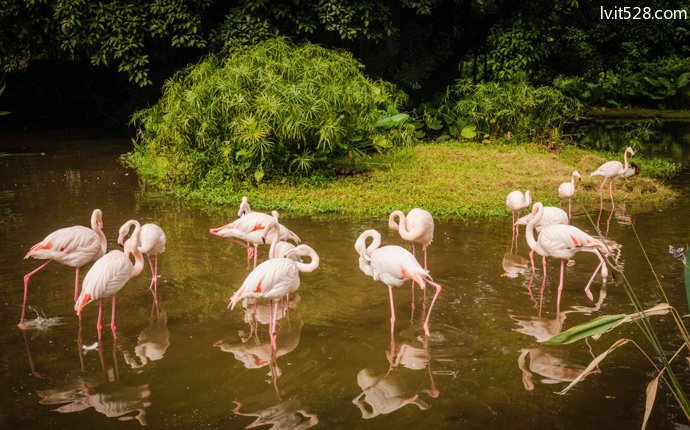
x=265, y=111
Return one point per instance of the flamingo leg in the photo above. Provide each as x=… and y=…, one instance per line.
x=274, y=335
x=76, y=284
x=570, y=201
x=99, y=326
x=611, y=194
x=424, y=290
x=531, y=259
x=153, y=273
x=390, y=295
x=80, y=342
x=543, y=284
x=601, y=194
x=431, y=306
x=113, y=328
x=256, y=252
x=26, y=288
x=588, y=293
x=414, y=253
x=560, y=290
x=517, y=232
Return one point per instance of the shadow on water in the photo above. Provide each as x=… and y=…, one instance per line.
x=188, y=362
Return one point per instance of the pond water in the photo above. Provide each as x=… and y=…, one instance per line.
x=191, y=363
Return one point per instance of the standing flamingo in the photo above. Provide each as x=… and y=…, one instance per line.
x=109, y=274
x=609, y=171
x=563, y=241
x=252, y=228
x=416, y=227
x=551, y=215
x=517, y=202
x=567, y=189
x=274, y=279
x=392, y=265
x=151, y=242
x=72, y=246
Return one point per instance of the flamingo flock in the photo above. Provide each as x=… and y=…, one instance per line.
x=557, y=238
x=277, y=277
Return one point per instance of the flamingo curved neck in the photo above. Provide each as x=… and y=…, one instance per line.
x=272, y=249
x=132, y=247
x=402, y=221
x=313, y=264
x=625, y=159
x=366, y=251
x=529, y=233
x=96, y=221
x=572, y=179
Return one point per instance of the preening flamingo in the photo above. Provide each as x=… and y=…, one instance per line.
x=152, y=242
x=567, y=189
x=244, y=208
x=109, y=274
x=633, y=170
x=563, y=241
x=517, y=202
x=392, y=265
x=416, y=227
x=72, y=246
x=274, y=279
x=252, y=228
x=283, y=232
x=609, y=171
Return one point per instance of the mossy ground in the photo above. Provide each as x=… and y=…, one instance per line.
x=450, y=179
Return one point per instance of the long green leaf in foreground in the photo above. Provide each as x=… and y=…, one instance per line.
x=597, y=326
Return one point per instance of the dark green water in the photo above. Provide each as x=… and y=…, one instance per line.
x=482, y=367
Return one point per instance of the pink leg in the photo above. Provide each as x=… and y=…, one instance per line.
x=431, y=306
x=26, y=289
x=611, y=194
x=412, y=288
x=99, y=326
x=256, y=252
x=531, y=259
x=76, y=284
x=390, y=295
x=588, y=293
x=570, y=201
x=153, y=273
x=113, y=328
x=543, y=283
x=517, y=232
x=425, y=268
x=560, y=290
x=601, y=195
x=274, y=335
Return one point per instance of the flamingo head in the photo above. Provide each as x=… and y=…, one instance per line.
x=244, y=208
x=576, y=174
x=537, y=213
x=97, y=219
x=122, y=234
x=630, y=151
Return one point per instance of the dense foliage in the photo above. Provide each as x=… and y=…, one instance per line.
x=499, y=109
x=264, y=111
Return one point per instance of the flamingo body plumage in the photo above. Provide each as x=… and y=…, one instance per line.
x=610, y=170
x=71, y=246
x=152, y=241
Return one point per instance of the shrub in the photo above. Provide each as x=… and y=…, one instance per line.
x=263, y=112
x=494, y=109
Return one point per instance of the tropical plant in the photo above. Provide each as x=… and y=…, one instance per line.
x=265, y=111
x=495, y=109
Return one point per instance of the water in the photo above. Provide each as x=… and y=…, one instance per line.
x=192, y=363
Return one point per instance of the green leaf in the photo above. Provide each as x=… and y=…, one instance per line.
x=596, y=326
x=683, y=80
x=393, y=120
x=258, y=174
x=469, y=132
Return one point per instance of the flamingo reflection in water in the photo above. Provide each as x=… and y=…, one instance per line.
x=257, y=353
x=102, y=391
x=153, y=341
x=386, y=393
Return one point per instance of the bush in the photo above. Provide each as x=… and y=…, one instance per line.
x=265, y=111
x=663, y=84
x=495, y=109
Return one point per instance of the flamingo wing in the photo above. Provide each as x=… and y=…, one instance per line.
x=105, y=278
x=563, y=241
x=73, y=246
x=152, y=239
x=609, y=169
x=271, y=279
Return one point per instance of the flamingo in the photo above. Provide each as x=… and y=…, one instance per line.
x=72, y=246
x=567, y=189
x=563, y=241
x=274, y=279
x=416, y=227
x=109, y=274
x=283, y=232
x=252, y=227
x=550, y=216
x=151, y=242
x=517, y=202
x=609, y=171
x=633, y=170
x=392, y=265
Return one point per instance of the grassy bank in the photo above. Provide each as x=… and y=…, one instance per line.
x=639, y=113
x=452, y=179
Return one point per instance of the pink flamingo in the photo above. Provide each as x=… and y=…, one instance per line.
x=72, y=246
x=392, y=265
x=551, y=215
x=416, y=227
x=244, y=208
x=517, y=202
x=285, y=233
x=252, y=228
x=609, y=171
x=567, y=190
x=563, y=241
x=151, y=242
x=109, y=274
x=274, y=279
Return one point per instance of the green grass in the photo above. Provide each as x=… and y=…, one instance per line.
x=640, y=113
x=451, y=180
